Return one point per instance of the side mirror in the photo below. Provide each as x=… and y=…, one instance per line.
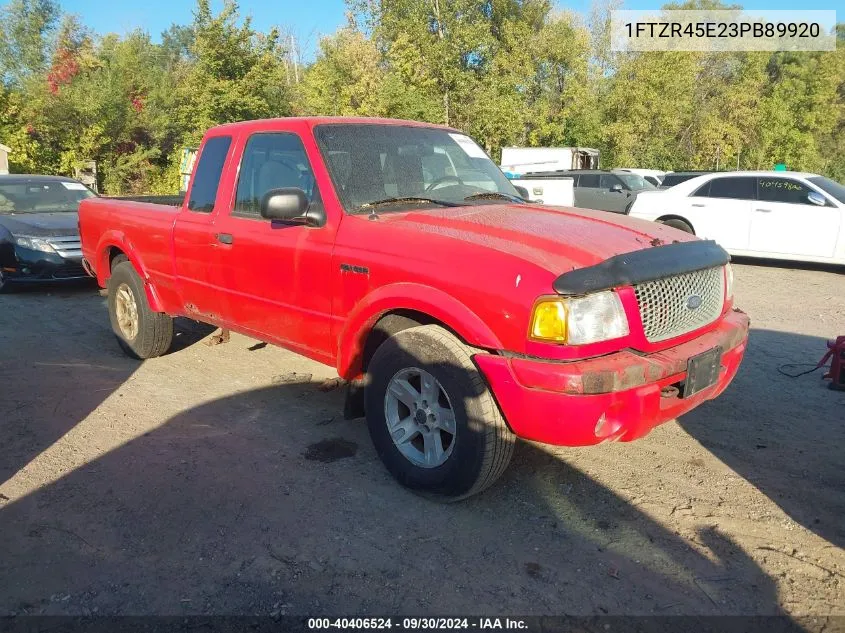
x=814, y=197
x=617, y=188
x=522, y=192
x=289, y=203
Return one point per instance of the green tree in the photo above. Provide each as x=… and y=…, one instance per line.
x=26, y=30
x=236, y=73
x=346, y=79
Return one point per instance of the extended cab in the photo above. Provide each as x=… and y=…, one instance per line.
x=462, y=317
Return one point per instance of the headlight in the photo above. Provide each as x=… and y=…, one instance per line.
x=729, y=282
x=579, y=320
x=34, y=243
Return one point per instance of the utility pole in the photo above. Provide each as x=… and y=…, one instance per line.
x=295, y=57
x=440, y=35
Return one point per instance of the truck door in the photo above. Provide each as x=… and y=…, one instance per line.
x=275, y=275
x=194, y=235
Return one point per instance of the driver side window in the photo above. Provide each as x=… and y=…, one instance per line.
x=608, y=180
x=782, y=190
x=272, y=161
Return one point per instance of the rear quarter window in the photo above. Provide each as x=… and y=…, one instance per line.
x=207, y=174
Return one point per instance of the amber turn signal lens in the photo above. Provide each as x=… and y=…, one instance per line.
x=548, y=323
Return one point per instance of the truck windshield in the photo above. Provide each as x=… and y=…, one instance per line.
x=378, y=163
x=41, y=196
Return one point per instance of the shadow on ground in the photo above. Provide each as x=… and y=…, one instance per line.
x=784, y=435
x=228, y=508
x=63, y=356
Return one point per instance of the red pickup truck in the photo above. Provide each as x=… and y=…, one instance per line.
x=461, y=315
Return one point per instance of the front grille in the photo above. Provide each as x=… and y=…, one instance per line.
x=667, y=306
x=68, y=246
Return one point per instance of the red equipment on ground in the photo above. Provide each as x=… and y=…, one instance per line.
x=836, y=352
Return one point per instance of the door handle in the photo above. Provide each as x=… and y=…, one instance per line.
x=695, y=204
x=763, y=210
x=224, y=238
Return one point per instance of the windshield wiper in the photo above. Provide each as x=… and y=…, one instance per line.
x=378, y=203
x=492, y=195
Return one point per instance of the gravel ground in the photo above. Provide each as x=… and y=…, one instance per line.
x=224, y=480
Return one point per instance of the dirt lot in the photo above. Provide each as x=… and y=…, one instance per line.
x=192, y=484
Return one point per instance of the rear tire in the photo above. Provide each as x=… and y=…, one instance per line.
x=141, y=333
x=678, y=224
x=425, y=391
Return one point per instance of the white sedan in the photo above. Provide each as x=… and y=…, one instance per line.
x=781, y=214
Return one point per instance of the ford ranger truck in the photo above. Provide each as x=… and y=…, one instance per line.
x=461, y=316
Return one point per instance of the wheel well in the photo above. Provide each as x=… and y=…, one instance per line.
x=676, y=217
x=388, y=324
x=392, y=323
x=114, y=253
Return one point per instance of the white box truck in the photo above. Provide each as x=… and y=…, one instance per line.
x=524, y=160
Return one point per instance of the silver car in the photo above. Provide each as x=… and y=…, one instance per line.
x=607, y=190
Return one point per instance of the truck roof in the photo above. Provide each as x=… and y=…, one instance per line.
x=322, y=120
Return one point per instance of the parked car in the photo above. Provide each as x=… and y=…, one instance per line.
x=607, y=190
x=461, y=317
x=654, y=176
x=782, y=215
x=673, y=178
x=39, y=236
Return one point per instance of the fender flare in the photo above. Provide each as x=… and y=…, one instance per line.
x=117, y=239
x=407, y=296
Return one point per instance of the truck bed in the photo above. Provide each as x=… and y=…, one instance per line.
x=137, y=226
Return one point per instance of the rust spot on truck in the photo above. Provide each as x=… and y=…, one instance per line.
x=203, y=316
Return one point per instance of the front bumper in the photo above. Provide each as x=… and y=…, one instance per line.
x=24, y=265
x=618, y=397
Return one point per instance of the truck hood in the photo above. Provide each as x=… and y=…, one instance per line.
x=557, y=239
x=41, y=224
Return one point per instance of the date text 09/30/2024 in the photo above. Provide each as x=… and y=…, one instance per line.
x=418, y=624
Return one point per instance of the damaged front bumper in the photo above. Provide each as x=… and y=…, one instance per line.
x=617, y=397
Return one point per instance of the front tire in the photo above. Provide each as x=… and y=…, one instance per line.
x=141, y=333
x=433, y=421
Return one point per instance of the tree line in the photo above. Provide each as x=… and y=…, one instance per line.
x=508, y=72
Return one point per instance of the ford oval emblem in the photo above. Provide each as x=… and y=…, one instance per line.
x=693, y=302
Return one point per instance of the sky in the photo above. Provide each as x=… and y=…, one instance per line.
x=308, y=20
